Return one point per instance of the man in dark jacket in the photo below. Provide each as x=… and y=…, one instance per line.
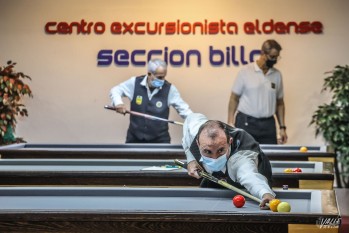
x=153, y=95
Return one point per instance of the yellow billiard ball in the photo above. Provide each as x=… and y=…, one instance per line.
x=284, y=207
x=273, y=204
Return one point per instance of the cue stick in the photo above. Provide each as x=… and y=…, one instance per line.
x=146, y=116
x=220, y=182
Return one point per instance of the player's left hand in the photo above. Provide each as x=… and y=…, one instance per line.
x=266, y=198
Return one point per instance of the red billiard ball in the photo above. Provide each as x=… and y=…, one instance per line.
x=297, y=169
x=239, y=201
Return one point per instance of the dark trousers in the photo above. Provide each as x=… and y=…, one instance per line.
x=263, y=130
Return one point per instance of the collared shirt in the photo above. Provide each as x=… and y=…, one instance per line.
x=258, y=92
x=126, y=89
x=242, y=165
x=190, y=129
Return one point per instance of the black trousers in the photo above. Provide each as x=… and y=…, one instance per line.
x=263, y=130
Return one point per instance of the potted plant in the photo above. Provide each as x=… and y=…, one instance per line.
x=12, y=89
x=332, y=120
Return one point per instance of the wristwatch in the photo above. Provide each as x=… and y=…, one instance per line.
x=282, y=127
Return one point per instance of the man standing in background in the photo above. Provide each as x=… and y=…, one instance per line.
x=257, y=95
x=153, y=95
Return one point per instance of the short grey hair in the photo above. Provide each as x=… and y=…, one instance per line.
x=156, y=63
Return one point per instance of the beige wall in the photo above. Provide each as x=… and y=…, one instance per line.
x=70, y=90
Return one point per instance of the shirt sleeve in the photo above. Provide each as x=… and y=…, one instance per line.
x=242, y=168
x=175, y=100
x=190, y=129
x=238, y=85
x=124, y=89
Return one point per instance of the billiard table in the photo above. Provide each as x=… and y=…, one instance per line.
x=124, y=209
x=153, y=151
x=318, y=175
x=146, y=151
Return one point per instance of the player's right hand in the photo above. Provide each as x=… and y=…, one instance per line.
x=121, y=108
x=193, y=167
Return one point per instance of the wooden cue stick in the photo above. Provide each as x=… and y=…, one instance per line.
x=220, y=182
x=146, y=115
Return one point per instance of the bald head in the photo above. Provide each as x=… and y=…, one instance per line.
x=213, y=129
x=213, y=139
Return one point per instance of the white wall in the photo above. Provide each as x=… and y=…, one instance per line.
x=70, y=90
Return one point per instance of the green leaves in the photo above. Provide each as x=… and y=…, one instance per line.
x=332, y=120
x=338, y=83
x=12, y=89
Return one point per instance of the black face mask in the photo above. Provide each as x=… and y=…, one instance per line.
x=270, y=63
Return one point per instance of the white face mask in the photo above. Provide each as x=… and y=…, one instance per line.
x=214, y=164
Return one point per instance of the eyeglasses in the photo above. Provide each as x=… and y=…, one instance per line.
x=273, y=58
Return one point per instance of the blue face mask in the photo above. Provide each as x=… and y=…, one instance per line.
x=157, y=82
x=214, y=164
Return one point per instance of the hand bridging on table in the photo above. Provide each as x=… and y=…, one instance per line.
x=266, y=198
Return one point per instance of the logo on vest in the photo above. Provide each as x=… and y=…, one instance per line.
x=139, y=99
x=159, y=104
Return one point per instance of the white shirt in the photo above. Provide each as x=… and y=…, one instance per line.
x=126, y=89
x=258, y=92
x=190, y=129
x=242, y=166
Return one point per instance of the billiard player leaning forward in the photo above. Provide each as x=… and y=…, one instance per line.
x=227, y=153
